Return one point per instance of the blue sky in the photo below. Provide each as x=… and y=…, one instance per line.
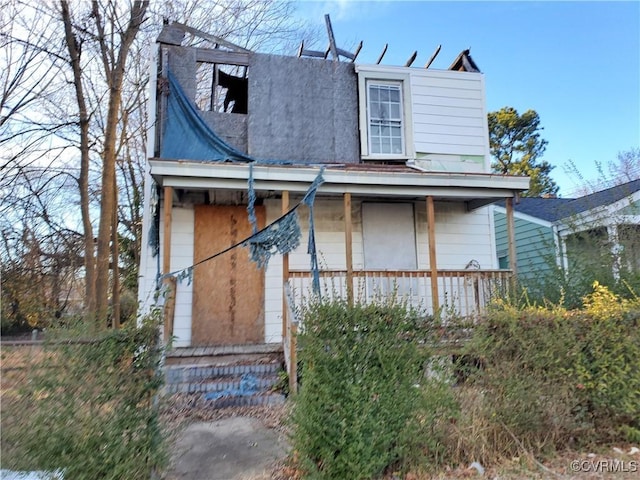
x=576, y=63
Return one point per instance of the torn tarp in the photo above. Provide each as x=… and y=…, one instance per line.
x=188, y=137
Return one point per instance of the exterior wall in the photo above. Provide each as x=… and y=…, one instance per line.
x=447, y=128
x=535, y=245
x=182, y=229
x=181, y=257
x=303, y=110
x=300, y=110
x=460, y=236
x=449, y=114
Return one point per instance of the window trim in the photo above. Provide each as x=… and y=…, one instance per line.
x=365, y=78
x=391, y=122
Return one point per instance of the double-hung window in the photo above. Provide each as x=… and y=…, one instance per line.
x=385, y=118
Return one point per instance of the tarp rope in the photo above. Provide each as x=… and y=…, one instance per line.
x=272, y=238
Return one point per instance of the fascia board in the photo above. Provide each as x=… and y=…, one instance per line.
x=333, y=188
x=524, y=216
x=599, y=216
x=373, y=181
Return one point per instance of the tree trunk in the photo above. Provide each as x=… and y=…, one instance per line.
x=83, y=180
x=114, y=74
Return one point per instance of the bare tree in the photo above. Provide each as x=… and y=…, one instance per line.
x=98, y=54
x=625, y=168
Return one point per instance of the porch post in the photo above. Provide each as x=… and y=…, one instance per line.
x=348, y=246
x=285, y=270
x=166, y=264
x=511, y=237
x=431, y=235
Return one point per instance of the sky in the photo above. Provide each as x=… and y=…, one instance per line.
x=576, y=63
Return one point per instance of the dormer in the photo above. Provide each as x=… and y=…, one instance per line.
x=435, y=119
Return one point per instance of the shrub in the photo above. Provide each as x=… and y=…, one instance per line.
x=360, y=408
x=553, y=377
x=87, y=408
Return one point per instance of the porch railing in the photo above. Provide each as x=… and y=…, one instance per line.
x=463, y=293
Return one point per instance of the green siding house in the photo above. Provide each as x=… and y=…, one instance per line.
x=553, y=232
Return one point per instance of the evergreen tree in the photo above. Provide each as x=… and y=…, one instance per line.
x=516, y=147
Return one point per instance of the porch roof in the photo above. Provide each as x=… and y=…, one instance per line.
x=477, y=189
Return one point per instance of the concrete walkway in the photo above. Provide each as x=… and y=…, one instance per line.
x=238, y=448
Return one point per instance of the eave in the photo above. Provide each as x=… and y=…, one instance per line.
x=477, y=189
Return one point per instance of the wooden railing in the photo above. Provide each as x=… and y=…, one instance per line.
x=463, y=293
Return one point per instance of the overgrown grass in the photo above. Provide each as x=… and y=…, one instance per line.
x=377, y=398
x=553, y=379
x=86, y=406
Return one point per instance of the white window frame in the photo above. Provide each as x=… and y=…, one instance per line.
x=387, y=78
x=391, y=123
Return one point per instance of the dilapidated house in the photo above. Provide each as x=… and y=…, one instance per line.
x=386, y=168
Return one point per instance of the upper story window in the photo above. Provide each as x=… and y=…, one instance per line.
x=385, y=118
x=386, y=130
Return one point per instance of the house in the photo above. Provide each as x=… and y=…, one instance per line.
x=603, y=227
x=387, y=169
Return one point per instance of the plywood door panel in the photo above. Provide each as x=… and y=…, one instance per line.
x=389, y=236
x=389, y=240
x=228, y=291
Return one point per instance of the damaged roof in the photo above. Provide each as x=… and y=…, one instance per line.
x=174, y=33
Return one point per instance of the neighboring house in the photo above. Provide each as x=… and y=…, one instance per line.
x=561, y=231
x=403, y=208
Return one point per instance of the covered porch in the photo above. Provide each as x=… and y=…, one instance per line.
x=445, y=236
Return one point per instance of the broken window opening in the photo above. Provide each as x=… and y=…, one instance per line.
x=221, y=88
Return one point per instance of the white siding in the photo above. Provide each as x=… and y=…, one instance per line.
x=461, y=237
x=182, y=225
x=449, y=113
x=182, y=229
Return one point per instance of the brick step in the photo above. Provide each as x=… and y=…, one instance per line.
x=259, y=382
x=176, y=374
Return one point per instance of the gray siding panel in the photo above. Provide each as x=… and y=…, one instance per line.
x=303, y=110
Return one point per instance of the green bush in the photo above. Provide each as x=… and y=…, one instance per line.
x=87, y=408
x=360, y=410
x=553, y=377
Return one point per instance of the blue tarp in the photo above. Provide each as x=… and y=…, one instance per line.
x=187, y=136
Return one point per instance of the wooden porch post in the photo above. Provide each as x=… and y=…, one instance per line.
x=169, y=305
x=511, y=238
x=287, y=323
x=285, y=270
x=348, y=246
x=431, y=235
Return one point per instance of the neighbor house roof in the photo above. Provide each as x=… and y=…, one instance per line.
x=554, y=209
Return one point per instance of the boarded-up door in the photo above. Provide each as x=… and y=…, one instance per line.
x=389, y=236
x=228, y=291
